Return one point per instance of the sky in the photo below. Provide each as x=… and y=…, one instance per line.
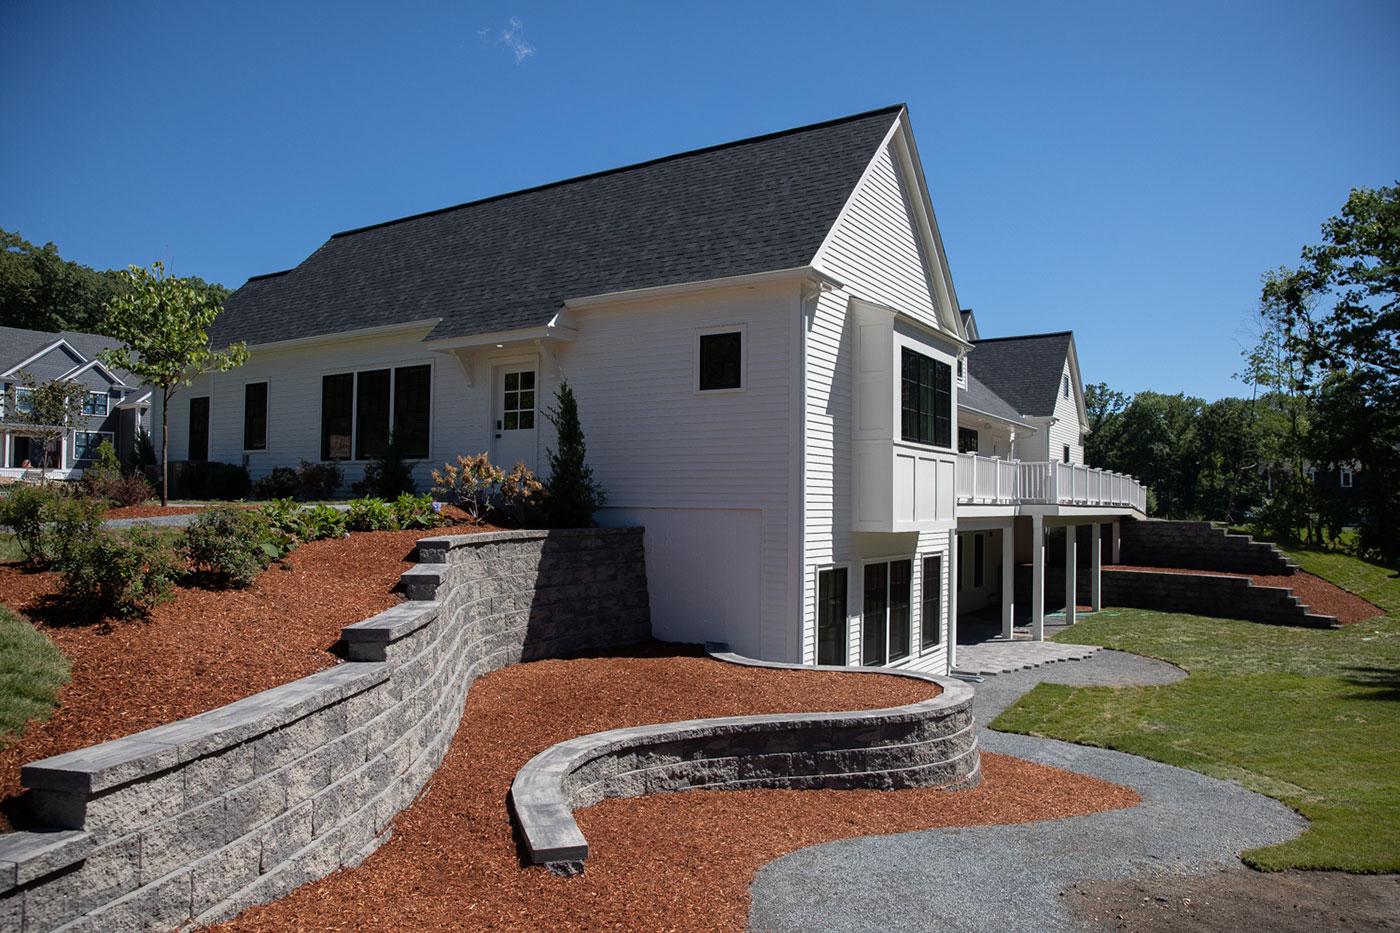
x=1126, y=170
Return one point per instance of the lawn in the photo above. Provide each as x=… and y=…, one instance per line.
x=1310, y=717
x=32, y=670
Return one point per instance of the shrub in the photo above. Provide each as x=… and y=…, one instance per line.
x=318, y=480
x=233, y=545
x=412, y=511
x=122, y=574
x=324, y=521
x=470, y=483
x=389, y=476
x=25, y=509
x=70, y=522
x=106, y=461
x=573, y=494
x=286, y=518
x=370, y=514
x=47, y=521
x=105, y=480
x=521, y=495
x=281, y=483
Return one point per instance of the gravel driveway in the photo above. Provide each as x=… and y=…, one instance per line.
x=1011, y=877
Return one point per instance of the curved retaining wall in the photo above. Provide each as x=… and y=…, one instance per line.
x=932, y=743
x=194, y=821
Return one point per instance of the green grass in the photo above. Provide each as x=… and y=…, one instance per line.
x=1310, y=717
x=32, y=670
x=9, y=549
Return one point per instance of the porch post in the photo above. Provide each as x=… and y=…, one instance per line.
x=1008, y=581
x=1095, y=567
x=1038, y=577
x=1115, y=557
x=953, y=599
x=1071, y=548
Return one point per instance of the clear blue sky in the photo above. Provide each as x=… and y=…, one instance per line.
x=1124, y=169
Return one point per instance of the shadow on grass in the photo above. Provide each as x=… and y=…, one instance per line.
x=1382, y=683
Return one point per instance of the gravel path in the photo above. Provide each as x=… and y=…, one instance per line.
x=1011, y=877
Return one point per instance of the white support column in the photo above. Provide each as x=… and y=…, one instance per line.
x=1008, y=581
x=1116, y=557
x=1096, y=567
x=1071, y=555
x=1038, y=577
x=953, y=571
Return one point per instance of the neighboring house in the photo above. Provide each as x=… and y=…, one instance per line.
x=762, y=337
x=117, y=408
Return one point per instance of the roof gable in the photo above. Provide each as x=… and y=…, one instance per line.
x=509, y=262
x=1024, y=371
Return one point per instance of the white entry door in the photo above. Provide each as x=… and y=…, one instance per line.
x=515, y=418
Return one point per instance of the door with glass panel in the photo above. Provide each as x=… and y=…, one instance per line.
x=516, y=418
x=885, y=615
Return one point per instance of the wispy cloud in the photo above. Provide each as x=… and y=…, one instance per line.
x=513, y=38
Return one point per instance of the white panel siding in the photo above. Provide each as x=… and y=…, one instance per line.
x=874, y=250
x=1066, y=429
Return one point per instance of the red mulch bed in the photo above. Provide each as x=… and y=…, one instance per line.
x=202, y=649
x=1320, y=596
x=662, y=862
x=152, y=511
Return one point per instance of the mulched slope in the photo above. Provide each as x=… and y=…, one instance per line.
x=152, y=511
x=668, y=861
x=1319, y=595
x=202, y=649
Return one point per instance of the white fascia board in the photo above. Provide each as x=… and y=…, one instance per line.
x=344, y=335
x=523, y=334
x=1000, y=419
x=701, y=285
x=137, y=401
x=43, y=351
x=1078, y=385
x=94, y=364
x=909, y=319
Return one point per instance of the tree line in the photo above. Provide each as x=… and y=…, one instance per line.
x=1324, y=379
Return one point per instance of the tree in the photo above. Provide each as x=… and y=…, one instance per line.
x=46, y=412
x=163, y=322
x=573, y=496
x=1105, y=407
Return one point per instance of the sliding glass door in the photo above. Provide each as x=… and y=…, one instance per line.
x=885, y=621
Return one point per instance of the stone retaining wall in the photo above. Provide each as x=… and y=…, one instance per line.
x=194, y=821
x=928, y=744
x=1201, y=594
x=1198, y=546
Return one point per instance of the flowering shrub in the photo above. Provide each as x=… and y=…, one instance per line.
x=521, y=493
x=470, y=483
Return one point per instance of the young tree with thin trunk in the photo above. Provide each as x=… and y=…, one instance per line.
x=163, y=322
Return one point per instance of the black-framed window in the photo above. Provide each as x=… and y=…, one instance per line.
x=1066, y=386
x=931, y=617
x=255, y=416
x=413, y=394
x=372, y=416
x=831, y=616
x=979, y=559
x=885, y=619
x=1066, y=453
x=926, y=399
x=337, y=415
x=85, y=443
x=721, y=361
x=967, y=440
x=199, y=428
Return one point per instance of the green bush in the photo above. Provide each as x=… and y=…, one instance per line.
x=69, y=522
x=412, y=511
x=281, y=483
x=323, y=521
x=233, y=545
x=24, y=509
x=318, y=480
x=119, y=574
x=370, y=514
x=47, y=520
x=286, y=517
x=573, y=493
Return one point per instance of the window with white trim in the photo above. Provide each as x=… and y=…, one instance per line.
x=931, y=615
x=925, y=399
x=831, y=615
x=255, y=416
x=1066, y=386
x=885, y=619
x=719, y=360
x=1345, y=479
x=85, y=443
x=360, y=409
x=96, y=403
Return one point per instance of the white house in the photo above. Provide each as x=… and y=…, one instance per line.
x=116, y=409
x=762, y=337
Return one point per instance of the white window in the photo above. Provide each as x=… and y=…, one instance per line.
x=1345, y=479
x=885, y=628
x=23, y=403
x=96, y=403
x=85, y=443
x=721, y=358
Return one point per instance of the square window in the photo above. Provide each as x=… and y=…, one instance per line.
x=721, y=361
x=527, y=379
x=512, y=381
x=512, y=420
x=527, y=420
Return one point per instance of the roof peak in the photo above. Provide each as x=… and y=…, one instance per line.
x=763, y=137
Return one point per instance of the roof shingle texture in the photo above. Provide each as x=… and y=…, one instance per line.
x=1023, y=371
x=509, y=262
x=18, y=343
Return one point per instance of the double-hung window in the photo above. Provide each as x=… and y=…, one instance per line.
x=926, y=399
x=360, y=410
x=885, y=620
x=96, y=403
x=255, y=416
x=931, y=617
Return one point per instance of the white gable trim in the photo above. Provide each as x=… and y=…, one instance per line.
x=45, y=351
x=1078, y=389
x=93, y=364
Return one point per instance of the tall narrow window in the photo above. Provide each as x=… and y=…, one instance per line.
x=877, y=601
x=721, y=364
x=831, y=616
x=412, y=397
x=979, y=557
x=337, y=415
x=199, y=428
x=1066, y=453
x=371, y=414
x=931, y=618
x=1345, y=480
x=1066, y=386
x=926, y=399
x=900, y=586
x=255, y=416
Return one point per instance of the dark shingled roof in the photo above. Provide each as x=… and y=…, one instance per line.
x=757, y=205
x=1024, y=371
x=977, y=397
x=18, y=343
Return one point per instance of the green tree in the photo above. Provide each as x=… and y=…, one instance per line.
x=573, y=495
x=46, y=410
x=40, y=290
x=1105, y=407
x=163, y=322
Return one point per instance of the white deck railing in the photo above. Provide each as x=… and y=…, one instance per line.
x=992, y=481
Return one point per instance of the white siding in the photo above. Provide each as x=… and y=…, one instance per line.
x=1067, y=428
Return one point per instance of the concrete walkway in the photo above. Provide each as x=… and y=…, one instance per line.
x=1011, y=877
x=1004, y=657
